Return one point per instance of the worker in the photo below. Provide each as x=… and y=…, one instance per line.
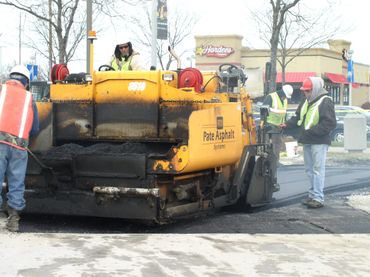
x=18, y=121
x=278, y=103
x=315, y=116
x=125, y=58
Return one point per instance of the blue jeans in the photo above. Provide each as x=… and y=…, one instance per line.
x=13, y=164
x=314, y=162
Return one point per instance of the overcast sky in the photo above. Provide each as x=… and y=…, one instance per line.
x=216, y=17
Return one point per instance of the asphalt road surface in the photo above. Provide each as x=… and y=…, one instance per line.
x=293, y=180
x=277, y=217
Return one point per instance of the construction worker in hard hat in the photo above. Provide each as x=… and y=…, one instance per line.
x=125, y=58
x=18, y=121
x=278, y=103
x=316, y=118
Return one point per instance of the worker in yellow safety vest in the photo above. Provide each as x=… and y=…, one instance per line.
x=278, y=103
x=125, y=58
x=315, y=116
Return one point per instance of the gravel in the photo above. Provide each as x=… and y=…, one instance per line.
x=360, y=201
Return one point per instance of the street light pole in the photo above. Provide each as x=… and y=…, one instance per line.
x=88, y=29
x=190, y=59
x=20, y=40
x=50, y=40
x=1, y=59
x=350, y=76
x=349, y=94
x=154, y=34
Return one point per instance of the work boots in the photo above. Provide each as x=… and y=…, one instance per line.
x=12, y=223
x=3, y=217
x=306, y=201
x=3, y=213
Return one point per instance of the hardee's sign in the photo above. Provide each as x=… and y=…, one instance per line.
x=214, y=51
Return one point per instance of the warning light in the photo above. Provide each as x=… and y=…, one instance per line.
x=91, y=35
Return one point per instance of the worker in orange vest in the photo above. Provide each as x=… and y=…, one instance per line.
x=18, y=120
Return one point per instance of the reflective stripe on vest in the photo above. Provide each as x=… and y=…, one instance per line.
x=114, y=64
x=126, y=66
x=16, y=114
x=121, y=66
x=310, y=115
x=277, y=110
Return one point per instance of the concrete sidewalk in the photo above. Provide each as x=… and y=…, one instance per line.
x=184, y=255
x=328, y=247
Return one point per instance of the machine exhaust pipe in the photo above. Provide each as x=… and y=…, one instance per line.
x=173, y=54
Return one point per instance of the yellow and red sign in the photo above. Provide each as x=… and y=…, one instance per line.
x=214, y=51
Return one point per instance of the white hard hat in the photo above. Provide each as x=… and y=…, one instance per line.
x=122, y=39
x=21, y=69
x=123, y=42
x=288, y=90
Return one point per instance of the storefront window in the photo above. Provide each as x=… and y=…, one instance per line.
x=345, y=95
x=334, y=92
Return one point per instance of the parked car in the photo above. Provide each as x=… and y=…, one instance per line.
x=337, y=134
x=342, y=111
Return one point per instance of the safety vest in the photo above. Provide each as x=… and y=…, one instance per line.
x=310, y=115
x=121, y=66
x=277, y=110
x=16, y=114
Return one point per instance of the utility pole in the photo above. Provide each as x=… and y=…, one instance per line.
x=50, y=40
x=20, y=40
x=1, y=58
x=88, y=29
x=154, y=33
x=350, y=76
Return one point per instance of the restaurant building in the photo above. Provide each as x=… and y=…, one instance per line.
x=329, y=63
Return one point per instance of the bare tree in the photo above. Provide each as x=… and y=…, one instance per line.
x=180, y=25
x=291, y=33
x=67, y=21
x=62, y=20
x=276, y=16
x=301, y=32
x=279, y=9
x=4, y=74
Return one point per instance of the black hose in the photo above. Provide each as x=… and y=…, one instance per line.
x=204, y=87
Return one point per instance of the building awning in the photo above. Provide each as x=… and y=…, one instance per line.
x=336, y=78
x=294, y=77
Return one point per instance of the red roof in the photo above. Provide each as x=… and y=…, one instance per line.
x=294, y=77
x=336, y=78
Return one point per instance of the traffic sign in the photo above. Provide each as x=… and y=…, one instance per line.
x=34, y=70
